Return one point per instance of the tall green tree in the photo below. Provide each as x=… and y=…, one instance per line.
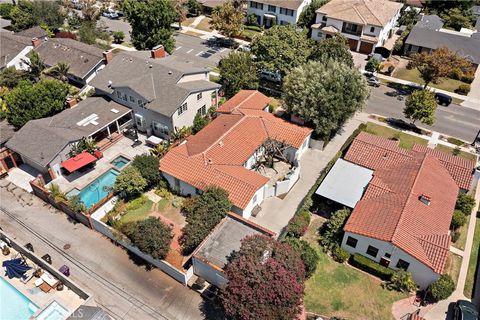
x=421, y=105
x=334, y=48
x=308, y=15
x=35, y=64
x=60, y=71
x=148, y=166
x=28, y=13
x=281, y=48
x=30, y=101
x=129, y=183
x=325, y=95
x=238, y=71
x=332, y=231
x=150, y=21
x=227, y=19
x=10, y=77
x=456, y=19
x=199, y=122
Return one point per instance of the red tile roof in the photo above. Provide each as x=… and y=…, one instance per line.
x=215, y=155
x=245, y=99
x=375, y=152
x=391, y=209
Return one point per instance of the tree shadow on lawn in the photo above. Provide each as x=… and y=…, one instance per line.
x=212, y=310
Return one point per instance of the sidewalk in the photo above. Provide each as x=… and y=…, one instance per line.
x=473, y=103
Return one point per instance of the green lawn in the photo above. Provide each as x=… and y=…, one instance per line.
x=138, y=214
x=204, y=25
x=414, y=76
x=462, y=239
x=406, y=140
x=340, y=290
x=453, y=265
x=249, y=34
x=472, y=265
x=462, y=154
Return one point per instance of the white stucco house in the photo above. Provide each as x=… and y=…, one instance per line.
x=273, y=12
x=402, y=201
x=367, y=24
x=163, y=92
x=223, y=154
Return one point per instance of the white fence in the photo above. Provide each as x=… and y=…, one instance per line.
x=282, y=187
x=179, y=275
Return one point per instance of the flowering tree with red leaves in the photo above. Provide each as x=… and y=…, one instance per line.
x=265, y=281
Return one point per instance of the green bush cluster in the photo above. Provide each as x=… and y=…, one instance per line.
x=253, y=28
x=340, y=255
x=465, y=203
x=458, y=220
x=463, y=89
x=137, y=203
x=442, y=288
x=299, y=223
x=371, y=267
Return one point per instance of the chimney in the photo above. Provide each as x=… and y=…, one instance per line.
x=71, y=102
x=107, y=56
x=158, y=52
x=36, y=42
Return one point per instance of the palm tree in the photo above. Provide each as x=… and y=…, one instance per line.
x=60, y=71
x=35, y=65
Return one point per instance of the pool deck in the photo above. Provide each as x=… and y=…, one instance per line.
x=66, y=298
x=124, y=147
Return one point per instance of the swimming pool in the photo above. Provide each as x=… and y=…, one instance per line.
x=54, y=311
x=97, y=189
x=13, y=304
x=120, y=162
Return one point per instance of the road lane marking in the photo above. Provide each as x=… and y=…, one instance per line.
x=198, y=53
x=189, y=50
x=178, y=48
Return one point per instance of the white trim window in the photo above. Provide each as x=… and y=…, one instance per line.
x=286, y=12
x=160, y=128
x=256, y=5
x=199, y=96
x=182, y=108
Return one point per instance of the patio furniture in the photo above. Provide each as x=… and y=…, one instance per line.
x=47, y=258
x=98, y=154
x=29, y=247
x=79, y=161
x=154, y=141
x=48, y=282
x=65, y=270
x=27, y=276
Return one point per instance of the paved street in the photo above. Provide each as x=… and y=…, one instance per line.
x=116, y=25
x=119, y=283
x=454, y=120
x=198, y=51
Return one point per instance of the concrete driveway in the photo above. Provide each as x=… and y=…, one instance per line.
x=359, y=60
x=474, y=93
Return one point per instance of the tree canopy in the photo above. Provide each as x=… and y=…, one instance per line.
x=265, y=281
x=30, y=101
x=308, y=15
x=438, y=64
x=238, y=71
x=129, y=182
x=227, y=19
x=150, y=21
x=332, y=231
x=442, y=288
x=421, y=105
x=281, y=48
x=151, y=236
x=334, y=48
x=149, y=167
x=27, y=14
x=465, y=203
x=308, y=254
x=325, y=94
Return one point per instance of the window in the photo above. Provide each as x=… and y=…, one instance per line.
x=125, y=97
x=372, y=251
x=350, y=27
x=132, y=99
x=402, y=264
x=324, y=18
x=388, y=255
x=287, y=12
x=352, y=242
x=119, y=94
x=202, y=110
x=256, y=5
x=255, y=199
x=182, y=108
x=199, y=96
x=159, y=128
x=141, y=103
x=272, y=8
x=372, y=29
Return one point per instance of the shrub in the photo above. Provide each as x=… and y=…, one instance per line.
x=307, y=253
x=164, y=193
x=251, y=20
x=459, y=219
x=253, y=28
x=455, y=235
x=371, y=267
x=442, y=288
x=129, y=183
x=463, y=89
x=332, y=230
x=372, y=65
x=403, y=281
x=468, y=78
x=6, y=9
x=456, y=151
x=148, y=166
x=455, y=141
x=465, y=203
x=298, y=225
x=118, y=36
x=390, y=69
x=137, y=203
x=340, y=255
x=163, y=184
x=76, y=204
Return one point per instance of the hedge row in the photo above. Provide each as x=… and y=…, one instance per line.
x=253, y=28
x=371, y=267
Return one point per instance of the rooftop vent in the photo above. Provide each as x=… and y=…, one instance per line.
x=425, y=199
x=385, y=155
x=91, y=119
x=109, y=83
x=170, y=72
x=114, y=110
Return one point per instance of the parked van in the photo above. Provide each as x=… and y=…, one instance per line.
x=443, y=99
x=274, y=76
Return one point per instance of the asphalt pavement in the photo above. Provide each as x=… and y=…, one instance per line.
x=454, y=120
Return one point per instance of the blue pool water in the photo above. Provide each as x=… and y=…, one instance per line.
x=120, y=162
x=54, y=311
x=13, y=304
x=97, y=189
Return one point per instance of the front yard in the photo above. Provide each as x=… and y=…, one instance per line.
x=340, y=290
x=414, y=76
x=453, y=265
x=472, y=265
x=461, y=154
x=406, y=140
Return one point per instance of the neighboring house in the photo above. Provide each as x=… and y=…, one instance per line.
x=164, y=93
x=225, y=151
x=209, y=5
x=212, y=255
x=7, y=159
x=34, y=32
x=428, y=35
x=367, y=24
x=402, y=200
x=45, y=143
x=272, y=12
x=84, y=60
x=14, y=49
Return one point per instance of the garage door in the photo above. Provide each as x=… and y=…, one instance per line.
x=366, y=47
x=352, y=44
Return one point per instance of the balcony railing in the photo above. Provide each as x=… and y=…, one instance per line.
x=357, y=32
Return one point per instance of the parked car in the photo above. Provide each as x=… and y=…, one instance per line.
x=273, y=76
x=244, y=48
x=110, y=13
x=223, y=42
x=464, y=310
x=443, y=99
x=369, y=74
x=373, y=81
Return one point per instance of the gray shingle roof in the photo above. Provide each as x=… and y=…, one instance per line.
x=42, y=139
x=6, y=131
x=33, y=32
x=154, y=79
x=11, y=45
x=432, y=22
x=81, y=57
x=468, y=47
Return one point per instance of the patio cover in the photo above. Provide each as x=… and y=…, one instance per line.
x=79, y=161
x=345, y=183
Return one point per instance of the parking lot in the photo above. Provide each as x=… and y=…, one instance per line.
x=198, y=51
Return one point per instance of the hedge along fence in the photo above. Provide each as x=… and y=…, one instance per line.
x=307, y=200
x=371, y=267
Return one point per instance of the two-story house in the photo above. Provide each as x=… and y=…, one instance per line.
x=367, y=24
x=272, y=12
x=163, y=92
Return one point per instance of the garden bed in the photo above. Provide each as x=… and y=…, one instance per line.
x=462, y=154
x=452, y=266
x=414, y=76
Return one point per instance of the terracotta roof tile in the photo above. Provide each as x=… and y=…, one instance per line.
x=245, y=99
